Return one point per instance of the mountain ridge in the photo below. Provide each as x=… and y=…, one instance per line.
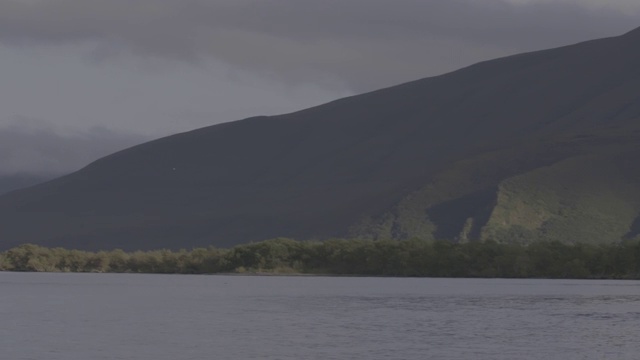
x=319, y=172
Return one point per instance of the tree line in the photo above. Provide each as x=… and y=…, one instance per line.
x=414, y=258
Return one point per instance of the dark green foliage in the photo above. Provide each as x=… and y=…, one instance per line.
x=414, y=257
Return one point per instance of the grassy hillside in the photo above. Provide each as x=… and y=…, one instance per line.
x=580, y=188
x=581, y=199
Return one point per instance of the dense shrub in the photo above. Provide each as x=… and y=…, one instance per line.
x=415, y=257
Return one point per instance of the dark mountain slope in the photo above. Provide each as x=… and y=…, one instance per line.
x=317, y=172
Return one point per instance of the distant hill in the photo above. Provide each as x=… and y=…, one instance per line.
x=19, y=181
x=537, y=145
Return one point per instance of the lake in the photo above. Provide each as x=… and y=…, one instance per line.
x=179, y=317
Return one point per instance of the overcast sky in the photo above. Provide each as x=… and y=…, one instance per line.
x=82, y=78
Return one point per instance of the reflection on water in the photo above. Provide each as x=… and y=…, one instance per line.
x=110, y=316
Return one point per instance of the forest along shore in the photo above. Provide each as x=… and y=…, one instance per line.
x=410, y=258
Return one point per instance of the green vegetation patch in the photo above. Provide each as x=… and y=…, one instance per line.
x=581, y=199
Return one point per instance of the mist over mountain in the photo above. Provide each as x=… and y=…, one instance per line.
x=18, y=181
x=34, y=146
x=537, y=145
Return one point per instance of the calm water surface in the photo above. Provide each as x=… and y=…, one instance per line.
x=123, y=316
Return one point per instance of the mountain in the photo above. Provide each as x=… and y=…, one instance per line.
x=537, y=145
x=18, y=181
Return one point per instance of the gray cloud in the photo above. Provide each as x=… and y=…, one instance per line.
x=363, y=44
x=34, y=146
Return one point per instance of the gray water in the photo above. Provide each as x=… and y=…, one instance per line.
x=123, y=316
